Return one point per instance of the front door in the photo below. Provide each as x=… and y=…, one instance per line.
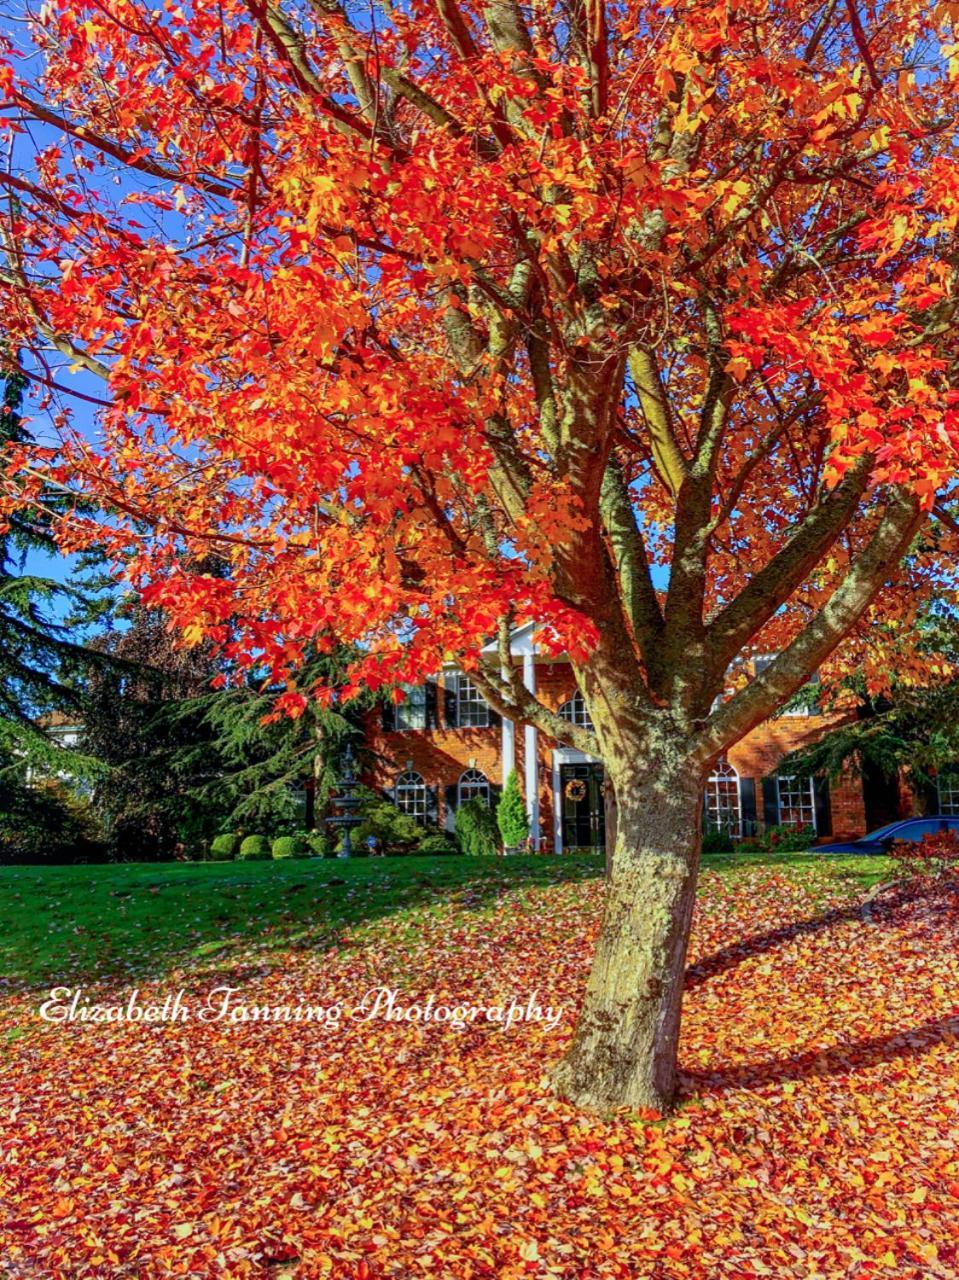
x=584, y=808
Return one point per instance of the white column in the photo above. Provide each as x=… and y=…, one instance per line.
x=508, y=748
x=508, y=740
x=532, y=763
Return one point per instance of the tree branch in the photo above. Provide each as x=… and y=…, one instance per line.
x=798, y=661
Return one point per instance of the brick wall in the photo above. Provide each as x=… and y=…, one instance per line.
x=442, y=754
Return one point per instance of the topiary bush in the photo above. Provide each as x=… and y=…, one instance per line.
x=511, y=816
x=224, y=848
x=290, y=847
x=254, y=848
x=476, y=829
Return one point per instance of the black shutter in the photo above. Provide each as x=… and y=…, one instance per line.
x=432, y=809
x=747, y=800
x=450, y=795
x=450, y=691
x=431, y=716
x=494, y=794
x=388, y=709
x=495, y=719
x=770, y=803
x=823, y=806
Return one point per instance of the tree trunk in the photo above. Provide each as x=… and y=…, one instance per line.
x=625, y=1047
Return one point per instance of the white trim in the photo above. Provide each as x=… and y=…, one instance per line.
x=811, y=797
x=718, y=776
x=521, y=642
x=508, y=748
x=531, y=753
x=564, y=755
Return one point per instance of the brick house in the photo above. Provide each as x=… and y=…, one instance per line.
x=444, y=745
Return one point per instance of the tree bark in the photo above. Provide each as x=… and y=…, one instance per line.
x=624, y=1051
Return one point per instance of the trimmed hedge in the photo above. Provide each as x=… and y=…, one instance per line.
x=224, y=848
x=254, y=848
x=290, y=847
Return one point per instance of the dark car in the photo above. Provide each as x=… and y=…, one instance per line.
x=881, y=841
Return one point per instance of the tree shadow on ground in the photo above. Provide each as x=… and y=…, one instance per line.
x=132, y=921
x=849, y=1057
x=842, y=1059
x=761, y=943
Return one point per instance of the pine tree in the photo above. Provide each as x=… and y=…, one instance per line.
x=42, y=665
x=511, y=816
x=263, y=759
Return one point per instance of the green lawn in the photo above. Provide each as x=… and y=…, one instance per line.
x=61, y=924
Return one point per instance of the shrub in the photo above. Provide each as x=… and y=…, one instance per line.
x=321, y=844
x=717, y=840
x=254, y=848
x=290, y=847
x=439, y=842
x=223, y=848
x=511, y=815
x=381, y=818
x=936, y=854
x=47, y=823
x=476, y=829
x=788, y=839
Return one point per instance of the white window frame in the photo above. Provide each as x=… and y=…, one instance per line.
x=472, y=709
x=804, y=790
x=717, y=800
x=410, y=795
x=473, y=785
x=574, y=711
x=947, y=796
x=412, y=709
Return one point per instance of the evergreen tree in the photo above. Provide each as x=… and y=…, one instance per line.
x=263, y=760
x=511, y=817
x=185, y=760
x=912, y=731
x=42, y=664
x=143, y=792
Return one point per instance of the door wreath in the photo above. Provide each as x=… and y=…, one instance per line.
x=575, y=790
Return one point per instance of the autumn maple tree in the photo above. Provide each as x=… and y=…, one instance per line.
x=634, y=320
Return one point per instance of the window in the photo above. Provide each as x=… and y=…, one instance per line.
x=723, y=811
x=411, y=713
x=947, y=787
x=473, y=785
x=472, y=711
x=797, y=802
x=574, y=711
x=411, y=794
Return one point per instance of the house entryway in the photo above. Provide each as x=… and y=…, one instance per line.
x=582, y=805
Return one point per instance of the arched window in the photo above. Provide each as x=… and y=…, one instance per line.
x=723, y=812
x=574, y=711
x=947, y=786
x=473, y=785
x=410, y=793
